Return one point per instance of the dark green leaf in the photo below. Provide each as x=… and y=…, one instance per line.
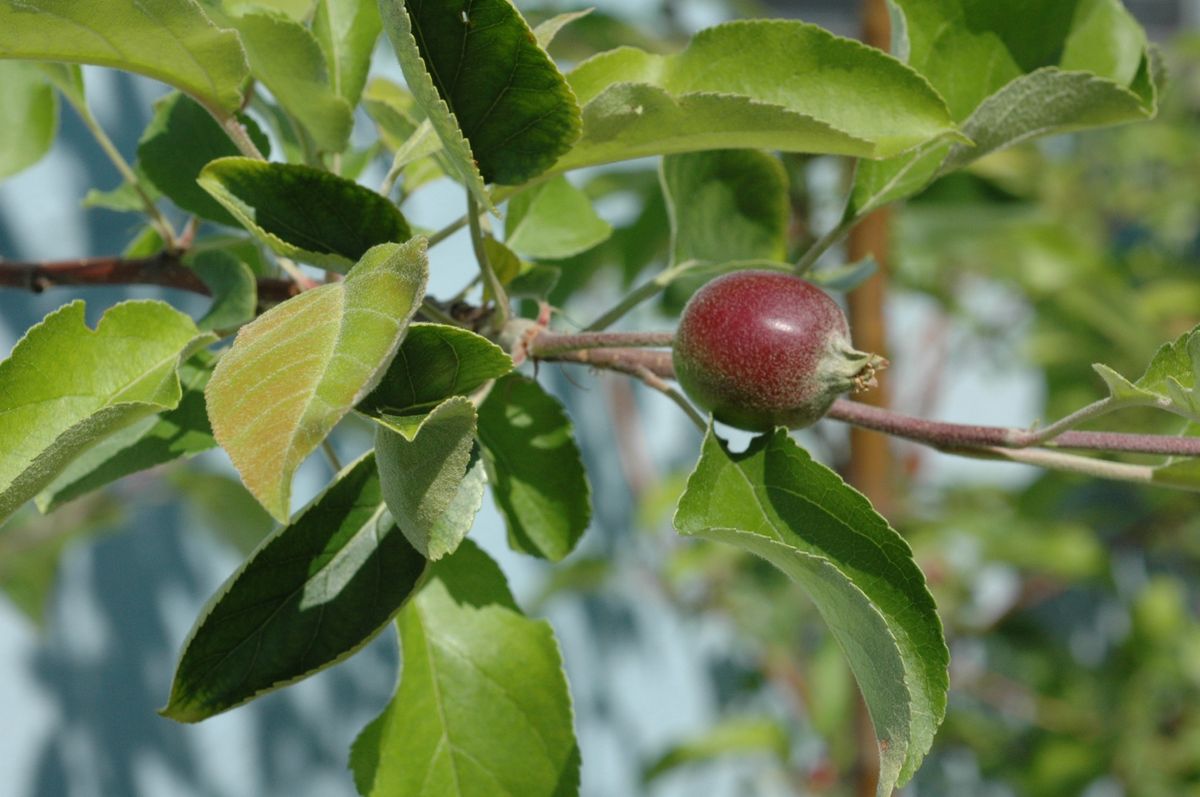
x=482, y=707
x=775, y=501
x=179, y=141
x=534, y=467
x=433, y=478
x=434, y=362
x=303, y=212
x=181, y=432
x=29, y=107
x=168, y=40
x=494, y=97
x=233, y=287
x=310, y=596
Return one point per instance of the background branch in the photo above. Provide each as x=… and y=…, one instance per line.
x=165, y=269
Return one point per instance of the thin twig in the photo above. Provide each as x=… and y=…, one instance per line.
x=490, y=278
x=823, y=244
x=164, y=268
x=958, y=436
x=164, y=228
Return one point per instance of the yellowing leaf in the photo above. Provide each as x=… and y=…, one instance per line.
x=293, y=373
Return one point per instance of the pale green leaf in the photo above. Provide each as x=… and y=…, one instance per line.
x=312, y=594
x=775, y=501
x=295, y=371
x=534, y=467
x=29, y=107
x=393, y=109
x=425, y=477
x=435, y=362
x=31, y=547
x=553, y=220
x=726, y=205
x=168, y=40
x=735, y=86
x=482, y=707
x=179, y=433
x=347, y=31
x=1084, y=64
x=66, y=387
x=1169, y=382
x=546, y=32
x=287, y=58
x=303, y=212
x=503, y=93
x=731, y=737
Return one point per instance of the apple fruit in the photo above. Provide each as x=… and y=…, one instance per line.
x=760, y=349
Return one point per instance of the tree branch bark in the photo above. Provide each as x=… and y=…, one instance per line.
x=164, y=269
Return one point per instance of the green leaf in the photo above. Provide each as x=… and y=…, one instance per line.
x=299, y=10
x=1170, y=380
x=347, y=31
x=223, y=504
x=1085, y=64
x=726, y=205
x=168, y=40
x=482, y=706
x=492, y=85
x=775, y=501
x=735, y=86
x=179, y=141
x=433, y=479
x=178, y=433
x=66, y=387
x=304, y=212
x=31, y=547
x=393, y=109
x=287, y=58
x=546, y=32
x=233, y=287
x=29, y=107
x=553, y=220
x=534, y=467
x=735, y=736
x=294, y=372
x=311, y=595
x=435, y=362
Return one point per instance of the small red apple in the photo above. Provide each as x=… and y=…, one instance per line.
x=761, y=349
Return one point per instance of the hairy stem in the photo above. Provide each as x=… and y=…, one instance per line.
x=547, y=344
x=161, y=225
x=240, y=138
x=824, y=244
x=1070, y=463
x=490, y=278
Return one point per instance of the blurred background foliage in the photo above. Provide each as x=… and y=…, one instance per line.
x=1070, y=605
